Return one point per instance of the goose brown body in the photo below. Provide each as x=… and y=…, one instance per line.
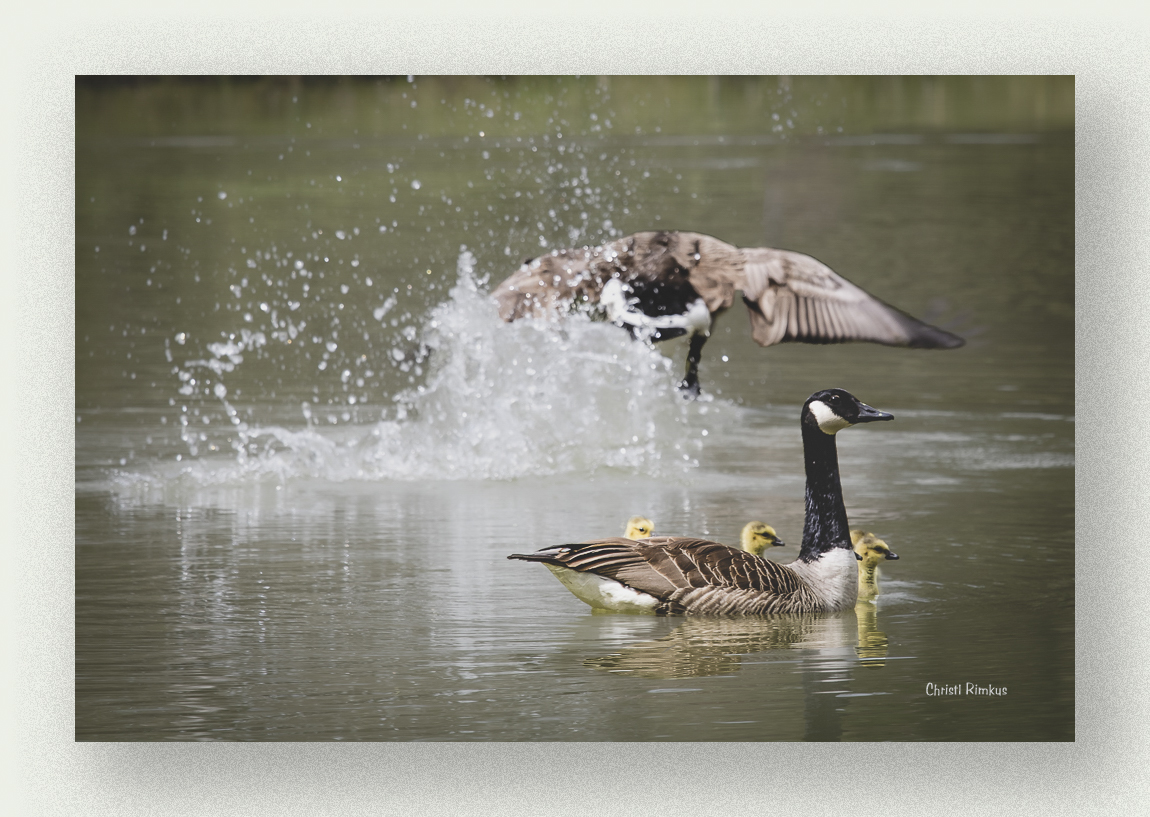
x=688, y=575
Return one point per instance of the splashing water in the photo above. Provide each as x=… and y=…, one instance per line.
x=501, y=401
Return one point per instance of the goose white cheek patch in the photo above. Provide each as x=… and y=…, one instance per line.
x=829, y=422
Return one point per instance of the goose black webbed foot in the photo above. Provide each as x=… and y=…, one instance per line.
x=689, y=389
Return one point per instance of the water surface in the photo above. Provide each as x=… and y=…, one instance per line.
x=305, y=443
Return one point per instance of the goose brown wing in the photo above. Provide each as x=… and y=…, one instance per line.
x=664, y=565
x=793, y=297
x=700, y=563
x=550, y=285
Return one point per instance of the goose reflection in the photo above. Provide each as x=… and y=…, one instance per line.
x=872, y=644
x=702, y=646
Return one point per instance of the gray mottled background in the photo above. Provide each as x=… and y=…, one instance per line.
x=1104, y=771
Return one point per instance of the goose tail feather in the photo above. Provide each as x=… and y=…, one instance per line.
x=549, y=556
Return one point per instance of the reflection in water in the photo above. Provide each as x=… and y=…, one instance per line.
x=715, y=646
x=719, y=646
x=872, y=646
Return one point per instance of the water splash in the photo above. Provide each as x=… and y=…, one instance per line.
x=500, y=401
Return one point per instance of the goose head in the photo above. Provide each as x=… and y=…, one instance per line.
x=832, y=410
x=870, y=549
x=757, y=537
x=638, y=527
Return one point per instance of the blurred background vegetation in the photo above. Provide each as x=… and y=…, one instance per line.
x=522, y=105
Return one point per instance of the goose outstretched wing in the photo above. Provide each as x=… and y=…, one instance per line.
x=793, y=297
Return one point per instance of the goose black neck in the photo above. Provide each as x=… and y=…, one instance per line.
x=826, y=525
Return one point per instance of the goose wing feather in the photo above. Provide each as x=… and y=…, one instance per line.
x=794, y=297
x=550, y=285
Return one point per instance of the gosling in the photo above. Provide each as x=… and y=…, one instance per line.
x=871, y=550
x=638, y=527
x=757, y=537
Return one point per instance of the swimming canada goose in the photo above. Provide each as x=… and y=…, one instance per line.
x=757, y=537
x=666, y=574
x=871, y=550
x=661, y=285
x=638, y=527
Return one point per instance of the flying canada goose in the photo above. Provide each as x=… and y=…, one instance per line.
x=871, y=550
x=757, y=537
x=667, y=574
x=661, y=285
x=638, y=527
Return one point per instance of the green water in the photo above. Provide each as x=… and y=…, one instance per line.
x=279, y=536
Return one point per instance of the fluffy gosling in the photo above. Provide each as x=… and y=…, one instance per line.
x=638, y=527
x=871, y=550
x=757, y=537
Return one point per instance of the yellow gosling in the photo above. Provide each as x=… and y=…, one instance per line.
x=757, y=537
x=871, y=550
x=638, y=527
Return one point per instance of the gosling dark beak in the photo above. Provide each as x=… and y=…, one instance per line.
x=778, y=543
x=858, y=556
x=892, y=555
x=871, y=415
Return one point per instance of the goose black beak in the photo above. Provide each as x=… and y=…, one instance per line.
x=892, y=555
x=871, y=415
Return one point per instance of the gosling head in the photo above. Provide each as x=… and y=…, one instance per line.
x=757, y=537
x=870, y=549
x=832, y=410
x=638, y=527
